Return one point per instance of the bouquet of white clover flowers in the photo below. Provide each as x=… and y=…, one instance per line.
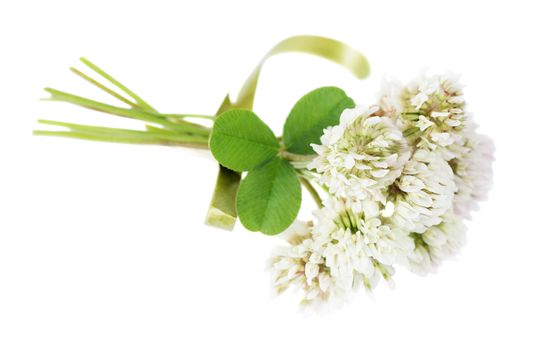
x=393, y=180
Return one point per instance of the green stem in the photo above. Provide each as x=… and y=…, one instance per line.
x=183, y=116
x=120, y=139
x=104, y=88
x=181, y=126
x=114, y=81
x=152, y=131
x=99, y=133
x=293, y=157
x=312, y=191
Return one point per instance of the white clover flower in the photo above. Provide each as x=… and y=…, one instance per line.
x=361, y=155
x=430, y=111
x=302, y=266
x=422, y=194
x=340, y=254
x=436, y=244
x=473, y=173
x=372, y=238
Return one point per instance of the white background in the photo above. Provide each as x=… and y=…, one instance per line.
x=102, y=246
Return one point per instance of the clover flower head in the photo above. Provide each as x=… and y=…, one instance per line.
x=421, y=194
x=436, y=244
x=341, y=253
x=473, y=173
x=302, y=266
x=361, y=155
x=430, y=111
x=373, y=239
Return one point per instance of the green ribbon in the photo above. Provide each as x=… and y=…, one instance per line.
x=222, y=210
